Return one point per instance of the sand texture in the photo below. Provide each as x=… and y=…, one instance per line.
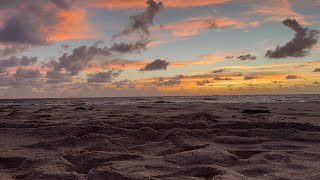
x=161, y=141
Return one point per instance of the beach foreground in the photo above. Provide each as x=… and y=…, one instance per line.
x=161, y=141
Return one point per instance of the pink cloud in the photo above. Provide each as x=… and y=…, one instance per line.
x=278, y=10
x=194, y=26
x=125, y=4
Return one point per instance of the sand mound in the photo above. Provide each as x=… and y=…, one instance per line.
x=210, y=155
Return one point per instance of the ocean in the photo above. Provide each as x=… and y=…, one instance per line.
x=171, y=99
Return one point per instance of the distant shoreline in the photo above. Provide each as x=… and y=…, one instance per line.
x=93, y=97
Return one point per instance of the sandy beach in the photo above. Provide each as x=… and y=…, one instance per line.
x=161, y=140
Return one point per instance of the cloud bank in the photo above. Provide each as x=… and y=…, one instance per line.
x=14, y=61
x=171, y=82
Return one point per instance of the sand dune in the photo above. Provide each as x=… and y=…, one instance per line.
x=161, y=141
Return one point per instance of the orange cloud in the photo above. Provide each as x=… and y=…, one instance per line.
x=269, y=68
x=187, y=63
x=315, y=62
x=312, y=64
x=73, y=25
x=125, y=4
x=157, y=42
x=278, y=11
x=262, y=66
x=194, y=26
x=12, y=70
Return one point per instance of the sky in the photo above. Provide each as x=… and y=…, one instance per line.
x=102, y=48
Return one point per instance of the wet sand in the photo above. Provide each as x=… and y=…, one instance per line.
x=161, y=141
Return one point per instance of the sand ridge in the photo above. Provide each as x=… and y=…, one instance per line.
x=161, y=141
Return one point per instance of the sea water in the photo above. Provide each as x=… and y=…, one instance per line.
x=171, y=99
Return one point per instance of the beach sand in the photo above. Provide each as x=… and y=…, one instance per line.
x=161, y=141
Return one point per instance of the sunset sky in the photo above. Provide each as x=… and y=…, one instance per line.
x=92, y=48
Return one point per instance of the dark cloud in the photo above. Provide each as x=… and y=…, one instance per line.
x=300, y=66
x=229, y=57
x=317, y=70
x=27, y=61
x=14, y=61
x=78, y=60
x=171, y=82
x=247, y=57
x=156, y=65
x=65, y=46
x=292, y=77
x=81, y=57
x=109, y=62
x=250, y=77
x=210, y=23
x=316, y=83
x=299, y=46
x=31, y=23
x=12, y=50
x=27, y=73
x=18, y=30
x=130, y=47
x=124, y=84
x=6, y=80
x=70, y=65
x=64, y=4
x=202, y=83
x=237, y=74
x=55, y=77
x=22, y=77
x=103, y=77
x=219, y=71
x=9, y=3
x=222, y=79
x=140, y=23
